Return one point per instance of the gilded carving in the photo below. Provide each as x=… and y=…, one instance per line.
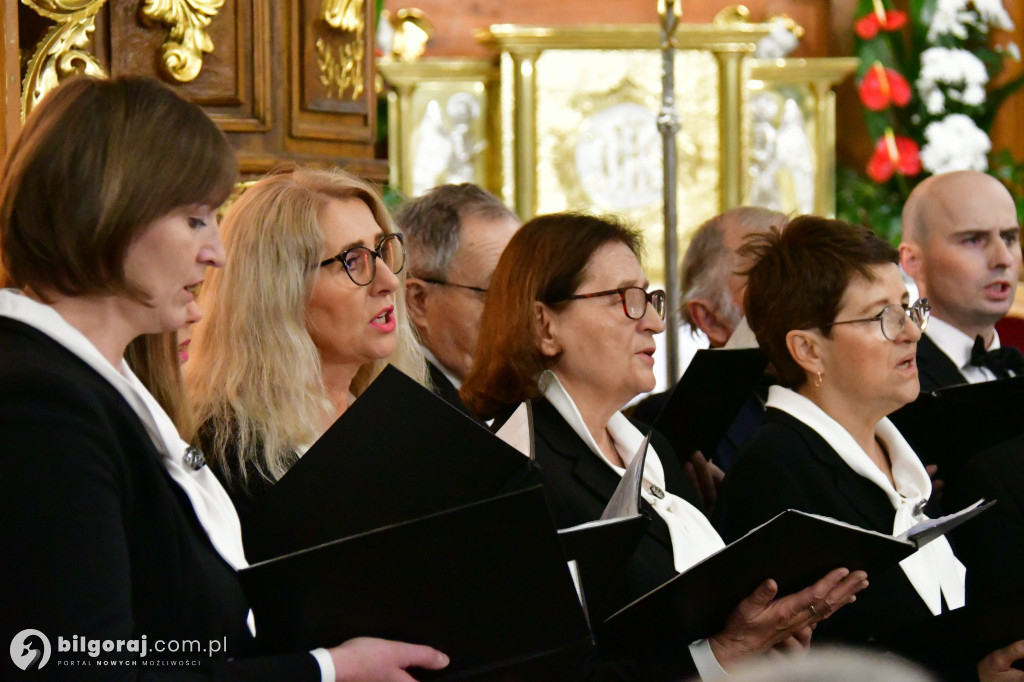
x=344, y=71
x=62, y=51
x=344, y=15
x=187, y=40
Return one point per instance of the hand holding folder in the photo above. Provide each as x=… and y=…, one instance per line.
x=794, y=549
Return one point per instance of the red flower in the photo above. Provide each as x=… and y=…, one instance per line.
x=867, y=26
x=880, y=86
x=893, y=154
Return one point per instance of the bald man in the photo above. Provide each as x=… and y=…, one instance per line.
x=961, y=244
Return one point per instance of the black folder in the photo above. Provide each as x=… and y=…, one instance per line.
x=707, y=398
x=795, y=549
x=962, y=637
x=486, y=583
x=948, y=426
x=398, y=453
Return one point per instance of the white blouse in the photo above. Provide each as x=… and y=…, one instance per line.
x=933, y=570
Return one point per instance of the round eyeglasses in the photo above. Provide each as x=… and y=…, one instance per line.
x=634, y=300
x=361, y=263
x=893, y=318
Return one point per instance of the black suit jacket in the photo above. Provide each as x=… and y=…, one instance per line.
x=97, y=539
x=578, y=486
x=934, y=368
x=787, y=465
x=445, y=389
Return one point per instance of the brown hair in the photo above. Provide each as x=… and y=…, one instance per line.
x=154, y=359
x=799, y=278
x=96, y=163
x=545, y=261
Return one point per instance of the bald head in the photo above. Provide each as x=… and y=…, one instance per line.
x=961, y=198
x=961, y=244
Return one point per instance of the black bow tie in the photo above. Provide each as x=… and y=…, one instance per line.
x=1001, y=361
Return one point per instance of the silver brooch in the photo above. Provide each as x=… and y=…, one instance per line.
x=194, y=458
x=657, y=492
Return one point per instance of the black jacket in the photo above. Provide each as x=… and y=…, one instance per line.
x=934, y=368
x=788, y=465
x=97, y=540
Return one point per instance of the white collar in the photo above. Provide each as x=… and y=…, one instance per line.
x=954, y=343
x=933, y=570
x=432, y=359
x=693, y=537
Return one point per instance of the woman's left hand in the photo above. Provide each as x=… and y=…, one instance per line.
x=706, y=478
x=761, y=621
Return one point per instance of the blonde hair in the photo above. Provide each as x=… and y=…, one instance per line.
x=255, y=382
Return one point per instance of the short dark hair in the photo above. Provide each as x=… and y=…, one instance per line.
x=799, y=277
x=96, y=163
x=545, y=261
x=431, y=224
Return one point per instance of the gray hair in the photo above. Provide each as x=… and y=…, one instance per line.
x=707, y=262
x=431, y=224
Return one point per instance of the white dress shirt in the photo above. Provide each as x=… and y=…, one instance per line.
x=933, y=570
x=957, y=346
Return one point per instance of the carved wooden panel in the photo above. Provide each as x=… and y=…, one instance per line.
x=333, y=65
x=287, y=81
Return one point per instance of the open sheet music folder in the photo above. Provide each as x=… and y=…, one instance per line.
x=486, y=583
x=707, y=398
x=796, y=549
x=398, y=453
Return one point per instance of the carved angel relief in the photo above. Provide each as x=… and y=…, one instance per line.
x=187, y=40
x=342, y=71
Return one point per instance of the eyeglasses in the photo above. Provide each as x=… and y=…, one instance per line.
x=634, y=300
x=361, y=263
x=893, y=318
x=444, y=283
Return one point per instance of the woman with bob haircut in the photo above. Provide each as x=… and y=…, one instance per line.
x=307, y=311
x=570, y=325
x=115, y=540
x=829, y=307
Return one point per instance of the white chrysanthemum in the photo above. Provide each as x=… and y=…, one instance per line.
x=935, y=102
x=955, y=143
x=958, y=72
x=994, y=14
x=952, y=17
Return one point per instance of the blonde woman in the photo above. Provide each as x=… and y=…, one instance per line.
x=306, y=312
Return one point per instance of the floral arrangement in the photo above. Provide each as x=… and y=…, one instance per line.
x=926, y=83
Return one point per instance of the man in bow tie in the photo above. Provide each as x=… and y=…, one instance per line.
x=961, y=244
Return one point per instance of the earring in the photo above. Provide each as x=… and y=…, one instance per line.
x=817, y=382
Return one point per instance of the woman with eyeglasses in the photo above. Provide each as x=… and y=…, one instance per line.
x=830, y=309
x=307, y=310
x=570, y=325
